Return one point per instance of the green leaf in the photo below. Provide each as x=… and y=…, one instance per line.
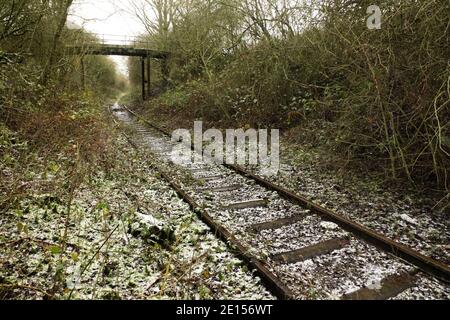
x=102, y=205
x=74, y=256
x=55, y=249
x=22, y=227
x=19, y=214
x=54, y=168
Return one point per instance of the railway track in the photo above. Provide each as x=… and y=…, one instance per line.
x=299, y=249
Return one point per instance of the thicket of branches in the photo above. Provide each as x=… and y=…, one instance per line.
x=380, y=94
x=36, y=72
x=48, y=109
x=37, y=30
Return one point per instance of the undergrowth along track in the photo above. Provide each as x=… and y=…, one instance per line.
x=271, y=267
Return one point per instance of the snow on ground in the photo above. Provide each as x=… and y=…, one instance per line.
x=102, y=259
x=406, y=216
x=325, y=277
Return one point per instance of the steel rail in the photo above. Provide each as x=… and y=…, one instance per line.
x=426, y=264
x=272, y=282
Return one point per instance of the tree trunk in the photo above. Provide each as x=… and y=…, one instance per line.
x=62, y=13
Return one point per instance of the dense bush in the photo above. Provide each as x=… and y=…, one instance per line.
x=385, y=92
x=50, y=115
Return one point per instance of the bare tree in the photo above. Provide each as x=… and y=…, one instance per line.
x=18, y=17
x=158, y=17
x=61, y=13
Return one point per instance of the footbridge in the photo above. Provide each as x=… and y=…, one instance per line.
x=130, y=46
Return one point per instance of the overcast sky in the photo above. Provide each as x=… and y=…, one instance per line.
x=107, y=17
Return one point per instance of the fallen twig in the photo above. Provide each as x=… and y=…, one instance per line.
x=37, y=241
x=20, y=286
x=93, y=257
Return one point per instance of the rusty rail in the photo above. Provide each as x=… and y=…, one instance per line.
x=424, y=263
x=275, y=286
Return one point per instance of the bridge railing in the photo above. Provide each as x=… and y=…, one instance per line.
x=116, y=40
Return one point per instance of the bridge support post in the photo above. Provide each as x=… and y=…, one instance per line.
x=143, y=78
x=148, y=78
x=165, y=72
